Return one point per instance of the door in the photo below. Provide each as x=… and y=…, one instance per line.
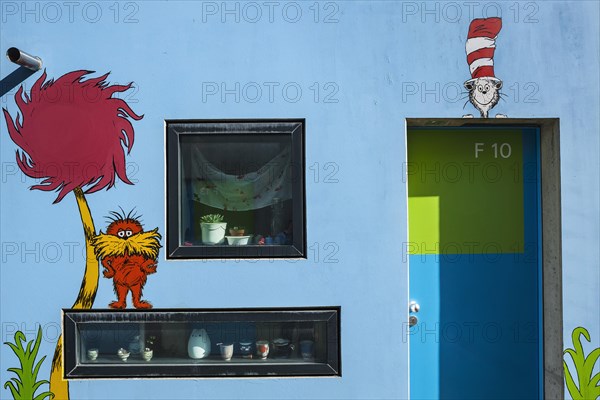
x=474, y=263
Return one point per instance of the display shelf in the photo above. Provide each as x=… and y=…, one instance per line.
x=211, y=360
x=301, y=342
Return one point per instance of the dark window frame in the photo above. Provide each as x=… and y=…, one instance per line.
x=295, y=128
x=195, y=368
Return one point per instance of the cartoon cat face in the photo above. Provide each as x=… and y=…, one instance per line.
x=484, y=93
x=484, y=89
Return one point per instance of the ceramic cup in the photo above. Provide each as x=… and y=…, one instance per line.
x=262, y=348
x=92, y=354
x=226, y=350
x=147, y=354
x=246, y=349
x=307, y=349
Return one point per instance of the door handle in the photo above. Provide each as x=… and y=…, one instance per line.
x=413, y=306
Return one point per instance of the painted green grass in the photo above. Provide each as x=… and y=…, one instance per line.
x=25, y=384
x=587, y=386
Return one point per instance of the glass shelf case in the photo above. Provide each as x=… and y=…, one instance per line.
x=201, y=343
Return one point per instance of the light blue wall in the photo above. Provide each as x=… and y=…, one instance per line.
x=375, y=55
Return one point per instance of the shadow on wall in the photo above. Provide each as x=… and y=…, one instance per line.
x=14, y=79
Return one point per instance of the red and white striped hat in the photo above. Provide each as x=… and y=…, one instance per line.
x=481, y=44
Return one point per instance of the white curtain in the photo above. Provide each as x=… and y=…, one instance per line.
x=243, y=192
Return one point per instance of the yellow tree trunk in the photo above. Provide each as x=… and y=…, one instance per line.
x=85, y=298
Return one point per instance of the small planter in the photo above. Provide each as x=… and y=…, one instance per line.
x=235, y=231
x=147, y=354
x=238, y=240
x=213, y=232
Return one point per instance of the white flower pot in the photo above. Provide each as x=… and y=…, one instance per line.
x=213, y=233
x=147, y=355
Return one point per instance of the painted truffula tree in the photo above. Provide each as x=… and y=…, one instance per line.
x=72, y=134
x=483, y=87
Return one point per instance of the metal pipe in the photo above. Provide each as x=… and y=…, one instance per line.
x=26, y=60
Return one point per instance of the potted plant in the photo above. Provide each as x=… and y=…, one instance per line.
x=147, y=354
x=213, y=229
x=148, y=351
x=151, y=342
x=237, y=231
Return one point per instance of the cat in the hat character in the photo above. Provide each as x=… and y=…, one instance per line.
x=484, y=87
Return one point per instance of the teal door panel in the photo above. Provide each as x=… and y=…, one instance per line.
x=474, y=263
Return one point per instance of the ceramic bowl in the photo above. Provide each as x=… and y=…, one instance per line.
x=238, y=240
x=92, y=354
x=123, y=354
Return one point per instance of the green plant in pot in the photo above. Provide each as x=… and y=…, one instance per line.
x=151, y=342
x=213, y=229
